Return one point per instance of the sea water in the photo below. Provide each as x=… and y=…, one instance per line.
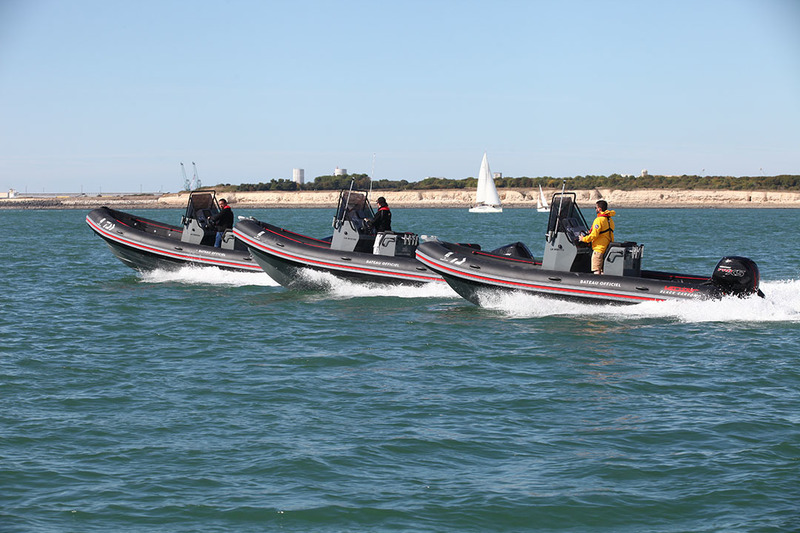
x=202, y=400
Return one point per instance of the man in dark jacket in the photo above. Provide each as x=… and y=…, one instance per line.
x=383, y=218
x=222, y=220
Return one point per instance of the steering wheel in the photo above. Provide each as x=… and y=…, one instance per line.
x=203, y=219
x=576, y=238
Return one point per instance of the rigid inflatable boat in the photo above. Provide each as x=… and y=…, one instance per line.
x=354, y=251
x=145, y=244
x=565, y=269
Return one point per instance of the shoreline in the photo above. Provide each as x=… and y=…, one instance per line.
x=439, y=198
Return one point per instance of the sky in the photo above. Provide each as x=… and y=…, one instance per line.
x=112, y=95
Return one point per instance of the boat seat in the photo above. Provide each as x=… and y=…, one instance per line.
x=623, y=259
x=625, y=244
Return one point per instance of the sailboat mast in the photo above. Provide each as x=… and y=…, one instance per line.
x=372, y=174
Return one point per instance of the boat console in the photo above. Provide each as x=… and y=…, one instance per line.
x=352, y=231
x=563, y=250
x=197, y=228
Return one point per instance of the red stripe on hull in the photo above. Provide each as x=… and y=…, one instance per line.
x=161, y=251
x=542, y=288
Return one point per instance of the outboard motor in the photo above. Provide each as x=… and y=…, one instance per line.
x=737, y=276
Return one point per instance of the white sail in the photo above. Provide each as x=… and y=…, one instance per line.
x=486, y=200
x=541, y=203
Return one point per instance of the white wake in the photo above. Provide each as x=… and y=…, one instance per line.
x=780, y=304
x=341, y=289
x=209, y=276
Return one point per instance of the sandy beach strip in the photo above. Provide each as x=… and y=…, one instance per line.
x=444, y=198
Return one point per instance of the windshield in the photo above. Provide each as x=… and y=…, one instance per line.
x=565, y=215
x=202, y=205
x=353, y=205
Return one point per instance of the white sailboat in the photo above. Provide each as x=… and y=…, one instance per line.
x=541, y=203
x=486, y=200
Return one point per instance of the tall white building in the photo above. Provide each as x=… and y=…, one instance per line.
x=298, y=176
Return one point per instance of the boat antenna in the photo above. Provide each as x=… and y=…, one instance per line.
x=347, y=202
x=372, y=174
x=560, y=206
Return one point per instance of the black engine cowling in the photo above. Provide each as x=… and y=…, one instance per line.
x=737, y=276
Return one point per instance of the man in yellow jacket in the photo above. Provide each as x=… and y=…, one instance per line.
x=602, y=234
